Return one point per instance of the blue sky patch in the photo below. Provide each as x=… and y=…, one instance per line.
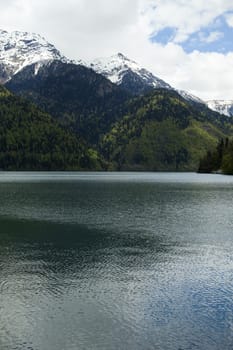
x=217, y=37
x=164, y=36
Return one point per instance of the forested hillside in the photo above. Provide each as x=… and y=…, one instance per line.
x=33, y=140
x=73, y=94
x=158, y=131
x=162, y=131
x=219, y=159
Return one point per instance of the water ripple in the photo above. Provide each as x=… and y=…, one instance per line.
x=116, y=262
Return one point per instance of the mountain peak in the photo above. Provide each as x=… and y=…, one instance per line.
x=127, y=73
x=20, y=49
x=124, y=58
x=120, y=55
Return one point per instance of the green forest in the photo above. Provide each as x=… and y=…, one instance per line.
x=162, y=132
x=33, y=140
x=219, y=160
x=74, y=119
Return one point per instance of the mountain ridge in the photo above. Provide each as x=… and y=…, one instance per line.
x=21, y=49
x=129, y=75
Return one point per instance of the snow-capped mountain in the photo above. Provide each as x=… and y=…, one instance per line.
x=130, y=75
x=224, y=107
x=20, y=49
x=127, y=73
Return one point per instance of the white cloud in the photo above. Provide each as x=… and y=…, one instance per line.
x=87, y=29
x=211, y=37
x=186, y=16
x=229, y=19
x=206, y=75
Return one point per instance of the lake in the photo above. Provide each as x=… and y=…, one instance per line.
x=116, y=261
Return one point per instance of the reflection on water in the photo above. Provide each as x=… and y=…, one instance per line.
x=116, y=261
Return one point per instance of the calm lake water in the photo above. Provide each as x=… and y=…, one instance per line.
x=119, y=261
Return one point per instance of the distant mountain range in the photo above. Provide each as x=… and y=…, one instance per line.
x=116, y=113
x=21, y=49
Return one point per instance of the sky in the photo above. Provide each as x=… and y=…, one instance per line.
x=187, y=43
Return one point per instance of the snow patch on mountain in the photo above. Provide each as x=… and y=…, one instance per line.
x=21, y=49
x=117, y=66
x=189, y=97
x=224, y=107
